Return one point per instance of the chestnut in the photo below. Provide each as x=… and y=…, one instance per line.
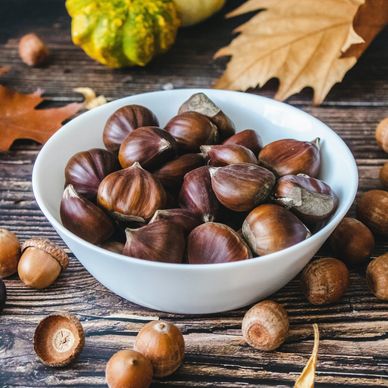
x=197, y=195
x=184, y=218
x=9, y=253
x=269, y=228
x=132, y=194
x=41, y=263
x=291, y=157
x=125, y=120
x=84, y=218
x=311, y=199
x=241, y=187
x=85, y=170
x=191, y=130
x=372, y=210
x=163, y=344
x=212, y=243
x=201, y=103
x=222, y=155
x=247, y=138
x=150, y=146
x=113, y=246
x=172, y=173
x=352, y=241
x=158, y=241
x=128, y=368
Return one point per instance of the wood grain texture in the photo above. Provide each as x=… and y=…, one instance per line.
x=354, y=332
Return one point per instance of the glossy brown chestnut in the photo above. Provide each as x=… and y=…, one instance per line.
x=270, y=228
x=311, y=199
x=201, y=103
x=247, y=138
x=150, y=146
x=212, y=243
x=191, y=130
x=113, y=246
x=197, y=195
x=241, y=187
x=132, y=194
x=172, y=173
x=352, y=241
x=158, y=241
x=222, y=155
x=85, y=170
x=291, y=157
x=372, y=210
x=184, y=218
x=123, y=121
x=84, y=218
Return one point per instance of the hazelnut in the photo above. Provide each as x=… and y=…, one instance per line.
x=352, y=241
x=3, y=295
x=265, y=326
x=163, y=344
x=382, y=134
x=384, y=175
x=32, y=50
x=325, y=280
x=377, y=276
x=41, y=263
x=58, y=339
x=9, y=253
x=128, y=368
x=372, y=210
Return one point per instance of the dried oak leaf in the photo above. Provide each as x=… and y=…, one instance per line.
x=300, y=42
x=20, y=120
x=307, y=377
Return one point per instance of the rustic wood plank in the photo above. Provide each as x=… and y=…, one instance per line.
x=354, y=340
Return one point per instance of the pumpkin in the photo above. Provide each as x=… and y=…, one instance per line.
x=195, y=11
x=120, y=33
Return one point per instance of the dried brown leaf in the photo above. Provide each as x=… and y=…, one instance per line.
x=307, y=377
x=300, y=42
x=20, y=120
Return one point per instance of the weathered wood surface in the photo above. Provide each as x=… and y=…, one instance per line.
x=354, y=344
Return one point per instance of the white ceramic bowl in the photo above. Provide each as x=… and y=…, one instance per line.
x=207, y=288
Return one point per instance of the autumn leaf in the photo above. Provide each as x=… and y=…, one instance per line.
x=301, y=42
x=307, y=377
x=20, y=120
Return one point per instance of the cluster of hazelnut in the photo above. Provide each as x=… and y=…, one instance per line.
x=37, y=261
x=194, y=191
x=158, y=351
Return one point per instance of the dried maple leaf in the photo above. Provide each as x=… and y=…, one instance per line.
x=300, y=42
x=20, y=120
x=307, y=377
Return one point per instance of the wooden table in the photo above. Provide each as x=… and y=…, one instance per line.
x=354, y=340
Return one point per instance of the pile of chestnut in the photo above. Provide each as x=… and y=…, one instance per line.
x=195, y=191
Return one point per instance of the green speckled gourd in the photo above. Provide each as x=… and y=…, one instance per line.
x=120, y=33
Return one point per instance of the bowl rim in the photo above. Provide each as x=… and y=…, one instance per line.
x=194, y=267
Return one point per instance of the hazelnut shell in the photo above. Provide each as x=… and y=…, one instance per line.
x=49, y=247
x=9, y=253
x=58, y=339
x=382, y=134
x=377, y=277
